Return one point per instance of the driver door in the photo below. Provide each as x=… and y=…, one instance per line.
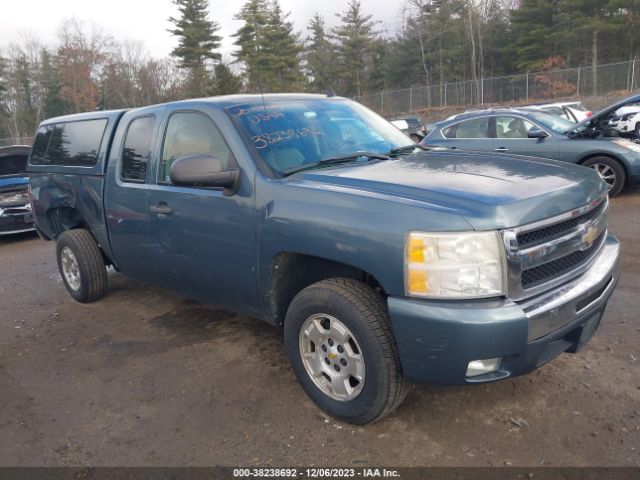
x=512, y=137
x=205, y=241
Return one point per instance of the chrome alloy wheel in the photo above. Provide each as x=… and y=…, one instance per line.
x=332, y=357
x=70, y=268
x=606, y=172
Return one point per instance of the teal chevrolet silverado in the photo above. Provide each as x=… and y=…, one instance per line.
x=383, y=262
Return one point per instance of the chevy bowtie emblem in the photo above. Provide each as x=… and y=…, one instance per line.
x=589, y=237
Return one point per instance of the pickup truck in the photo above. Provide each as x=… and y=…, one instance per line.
x=383, y=262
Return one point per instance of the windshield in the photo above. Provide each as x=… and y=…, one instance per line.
x=577, y=106
x=552, y=122
x=289, y=134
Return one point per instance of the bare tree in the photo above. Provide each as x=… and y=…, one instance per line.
x=24, y=95
x=81, y=56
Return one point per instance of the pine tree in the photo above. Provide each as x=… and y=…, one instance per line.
x=225, y=81
x=251, y=42
x=282, y=51
x=584, y=24
x=319, y=56
x=53, y=105
x=534, y=27
x=198, y=41
x=355, y=38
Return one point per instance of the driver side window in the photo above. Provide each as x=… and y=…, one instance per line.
x=512, y=127
x=190, y=133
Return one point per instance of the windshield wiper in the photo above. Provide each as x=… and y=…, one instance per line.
x=349, y=157
x=407, y=149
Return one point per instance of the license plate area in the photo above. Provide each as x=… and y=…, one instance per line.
x=580, y=336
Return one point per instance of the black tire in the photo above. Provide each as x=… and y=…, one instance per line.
x=363, y=311
x=620, y=176
x=637, y=130
x=416, y=138
x=89, y=265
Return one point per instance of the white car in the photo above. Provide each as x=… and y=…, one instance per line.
x=572, y=111
x=627, y=120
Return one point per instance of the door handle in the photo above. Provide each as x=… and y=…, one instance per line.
x=501, y=149
x=161, y=209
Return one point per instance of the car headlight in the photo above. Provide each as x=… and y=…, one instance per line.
x=454, y=265
x=627, y=144
x=11, y=199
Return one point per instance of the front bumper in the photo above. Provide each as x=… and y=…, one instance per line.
x=437, y=339
x=16, y=219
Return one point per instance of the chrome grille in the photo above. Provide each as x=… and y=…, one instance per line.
x=556, y=230
x=548, y=271
x=548, y=253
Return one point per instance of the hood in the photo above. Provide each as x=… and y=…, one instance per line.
x=10, y=182
x=489, y=191
x=627, y=110
x=606, y=112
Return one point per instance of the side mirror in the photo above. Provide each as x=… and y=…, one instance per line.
x=536, y=132
x=203, y=170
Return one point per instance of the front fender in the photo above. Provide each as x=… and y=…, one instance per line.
x=360, y=231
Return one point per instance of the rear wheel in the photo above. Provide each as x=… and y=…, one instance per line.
x=340, y=346
x=611, y=171
x=81, y=265
x=637, y=131
x=416, y=138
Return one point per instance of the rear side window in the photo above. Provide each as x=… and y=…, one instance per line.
x=40, y=144
x=137, y=147
x=73, y=144
x=475, y=128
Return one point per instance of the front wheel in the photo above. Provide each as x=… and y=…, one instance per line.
x=611, y=171
x=81, y=265
x=340, y=346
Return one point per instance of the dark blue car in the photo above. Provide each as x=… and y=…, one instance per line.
x=15, y=209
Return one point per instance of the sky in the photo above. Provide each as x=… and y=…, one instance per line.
x=146, y=20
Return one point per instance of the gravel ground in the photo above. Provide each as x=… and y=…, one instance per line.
x=145, y=377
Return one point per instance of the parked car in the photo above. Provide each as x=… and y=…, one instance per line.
x=539, y=134
x=626, y=121
x=382, y=263
x=573, y=111
x=15, y=209
x=413, y=126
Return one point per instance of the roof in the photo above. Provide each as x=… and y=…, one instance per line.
x=84, y=116
x=486, y=111
x=223, y=101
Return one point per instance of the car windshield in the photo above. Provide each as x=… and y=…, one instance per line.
x=289, y=134
x=552, y=122
x=577, y=106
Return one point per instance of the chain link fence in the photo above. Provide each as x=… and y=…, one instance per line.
x=523, y=88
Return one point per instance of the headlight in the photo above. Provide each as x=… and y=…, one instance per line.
x=628, y=144
x=12, y=199
x=454, y=265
